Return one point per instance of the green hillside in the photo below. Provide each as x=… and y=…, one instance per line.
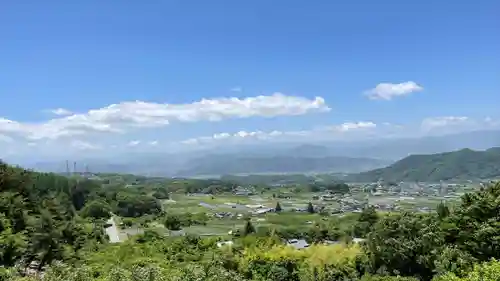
x=461, y=164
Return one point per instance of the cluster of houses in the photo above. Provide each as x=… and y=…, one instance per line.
x=346, y=201
x=221, y=215
x=243, y=191
x=412, y=189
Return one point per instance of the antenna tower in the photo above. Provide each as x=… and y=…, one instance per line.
x=67, y=168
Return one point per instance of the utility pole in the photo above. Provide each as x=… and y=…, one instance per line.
x=67, y=168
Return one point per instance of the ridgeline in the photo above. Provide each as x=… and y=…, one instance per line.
x=465, y=164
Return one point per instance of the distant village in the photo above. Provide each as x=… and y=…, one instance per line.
x=374, y=195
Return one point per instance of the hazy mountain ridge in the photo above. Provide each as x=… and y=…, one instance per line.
x=233, y=164
x=460, y=164
x=279, y=157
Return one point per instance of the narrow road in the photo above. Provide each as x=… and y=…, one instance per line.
x=112, y=231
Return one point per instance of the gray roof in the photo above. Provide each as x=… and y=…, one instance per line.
x=298, y=243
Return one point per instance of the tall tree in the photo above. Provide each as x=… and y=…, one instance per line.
x=278, y=207
x=12, y=245
x=310, y=208
x=405, y=244
x=249, y=228
x=476, y=223
x=442, y=210
x=366, y=221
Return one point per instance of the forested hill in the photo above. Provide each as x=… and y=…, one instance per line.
x=461, y=164
x=46, y=217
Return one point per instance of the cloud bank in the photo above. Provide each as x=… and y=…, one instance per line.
x=126, y=116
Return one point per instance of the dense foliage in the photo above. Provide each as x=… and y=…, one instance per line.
x=59, y=222
x=38, y=217
x=46, y=217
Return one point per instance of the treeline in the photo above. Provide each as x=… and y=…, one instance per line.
x=39, y=218
x=46, y=217
x=160, y=188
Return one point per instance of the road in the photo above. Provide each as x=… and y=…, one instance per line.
x=112, y=231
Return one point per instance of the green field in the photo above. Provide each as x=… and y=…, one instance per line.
x=241, y=207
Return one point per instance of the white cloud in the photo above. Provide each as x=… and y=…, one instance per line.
x=221, y=136
x=443, y=121
x=355, y=131
x=61, y=111
x=190, y=141
x=332, y=132
x=456, y=124
x=83, y=145
x=134, y=143
x=349, y=126
x=55, y=128
x=347, y=131
x=492, y=122
x=121, y=117
x=392, y=125
x=387, y=91
x=237, y=89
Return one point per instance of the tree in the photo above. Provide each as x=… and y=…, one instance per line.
x=442, y=210
x=249, y=228
x=12, y=245
x=278, y=207
x=161, y=194
x=314, y=188
x=172, y=222
x=475, y=223
x=338, y=187
x=46, y=243
x=318, y=232
x=97, y=209
x=405, y=244
x=310, y=208
x=488, y=271
x=367, y=219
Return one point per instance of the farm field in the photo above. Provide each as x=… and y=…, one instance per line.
x=239, y=207
x=224, y=213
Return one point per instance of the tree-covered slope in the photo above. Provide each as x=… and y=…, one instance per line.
x=46, y=217
x=461, y=164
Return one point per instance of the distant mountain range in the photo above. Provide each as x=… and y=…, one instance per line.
x=396, y=149
x=461, y=164
x=233, y=164
x=182, y=165
x=290, y=157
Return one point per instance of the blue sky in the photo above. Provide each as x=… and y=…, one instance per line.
x=79, y=56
